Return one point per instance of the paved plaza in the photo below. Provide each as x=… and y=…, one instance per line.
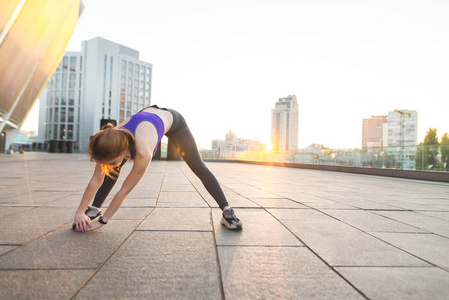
x=307, y=235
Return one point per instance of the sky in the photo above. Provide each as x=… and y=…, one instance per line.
x=224, y=64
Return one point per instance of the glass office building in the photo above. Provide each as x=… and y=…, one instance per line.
x=105, y=81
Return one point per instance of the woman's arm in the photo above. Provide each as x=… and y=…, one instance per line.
x=141, y=163
x=81, y=220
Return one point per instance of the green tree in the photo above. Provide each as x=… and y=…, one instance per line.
x=426, y=155
x=419, y=157
x=444, y=150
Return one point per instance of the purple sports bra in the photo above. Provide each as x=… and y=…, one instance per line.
x=140, y=117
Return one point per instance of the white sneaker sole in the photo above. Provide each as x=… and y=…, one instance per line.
x=229, y=226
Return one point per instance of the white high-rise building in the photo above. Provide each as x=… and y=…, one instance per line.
x=403, y=136
x=402, y=128
x=284, y=124
x=105, y=81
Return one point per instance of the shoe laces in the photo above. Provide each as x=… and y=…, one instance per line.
x=229, y=214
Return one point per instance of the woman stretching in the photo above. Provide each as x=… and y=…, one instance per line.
x=138, y=138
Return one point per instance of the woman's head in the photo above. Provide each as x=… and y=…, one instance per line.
x=110, y=143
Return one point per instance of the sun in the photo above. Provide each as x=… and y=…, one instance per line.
x=268, y=147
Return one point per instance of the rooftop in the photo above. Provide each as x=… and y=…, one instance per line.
x=307, y=234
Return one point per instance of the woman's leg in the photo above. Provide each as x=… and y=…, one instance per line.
x=183, y=140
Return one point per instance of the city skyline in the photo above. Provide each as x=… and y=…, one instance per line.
x=233, y=60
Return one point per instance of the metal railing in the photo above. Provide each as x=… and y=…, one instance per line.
x=422, y=158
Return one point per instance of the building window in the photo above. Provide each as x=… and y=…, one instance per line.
x=64, y=81
x=57, y=80
x=63, y=98
x=71, y=116
x=72, y=63
x=142, y=75
x=63, y=109
x=65, y=63
x=55, y=131
x=62, y=132
x=123, y=69
x=72, y=80
x=70, y=132
x=56, y=114
x=130, y=69
x=71, y=98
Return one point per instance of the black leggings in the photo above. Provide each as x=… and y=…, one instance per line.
x=181, y=137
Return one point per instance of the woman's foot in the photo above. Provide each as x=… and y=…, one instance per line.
x=230, y=220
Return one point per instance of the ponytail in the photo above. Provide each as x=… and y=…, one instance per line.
x=108, y=125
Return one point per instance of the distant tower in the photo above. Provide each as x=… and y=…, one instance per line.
x=284, y=124
x=373, y=131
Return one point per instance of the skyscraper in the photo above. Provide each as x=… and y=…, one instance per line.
x=284, y=124
x=373, y=130
x=402, y=128
x=102, y=82
x=402, y=136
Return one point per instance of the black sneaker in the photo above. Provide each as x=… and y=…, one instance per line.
x=230, y=220
x=92, y=212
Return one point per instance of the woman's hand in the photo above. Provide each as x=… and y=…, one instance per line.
x=94, y=225
x=82, y=222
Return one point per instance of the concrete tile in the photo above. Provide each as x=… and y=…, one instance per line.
x=328, y=204
x=20, y=204
x=175, y=180
x=259, y=229
x=235, y=201
x=279, y=273
x=302, y=197
x=419, y=220
x=145, y=191
x=181, y=265
x=39, y=198
x=7, y=248
x=72, y=200
x=30, y=224
x=177, y=188
x=277, y=203
x=429, y=247
x=178, y=219
x=399, y=283
x=342, y=245
x=53, y=250
x=132, y=213
x=358, y=202
x=443, y=215
x=297, y=214
x=7, y=210
x=249, y=191
x=180, y=199
x=407, y=205
x=42, y=284
x=144, y=202
x=370, y=222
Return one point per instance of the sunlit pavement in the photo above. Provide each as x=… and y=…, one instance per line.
x=307, y=235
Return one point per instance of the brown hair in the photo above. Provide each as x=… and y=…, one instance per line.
x=110, y=143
